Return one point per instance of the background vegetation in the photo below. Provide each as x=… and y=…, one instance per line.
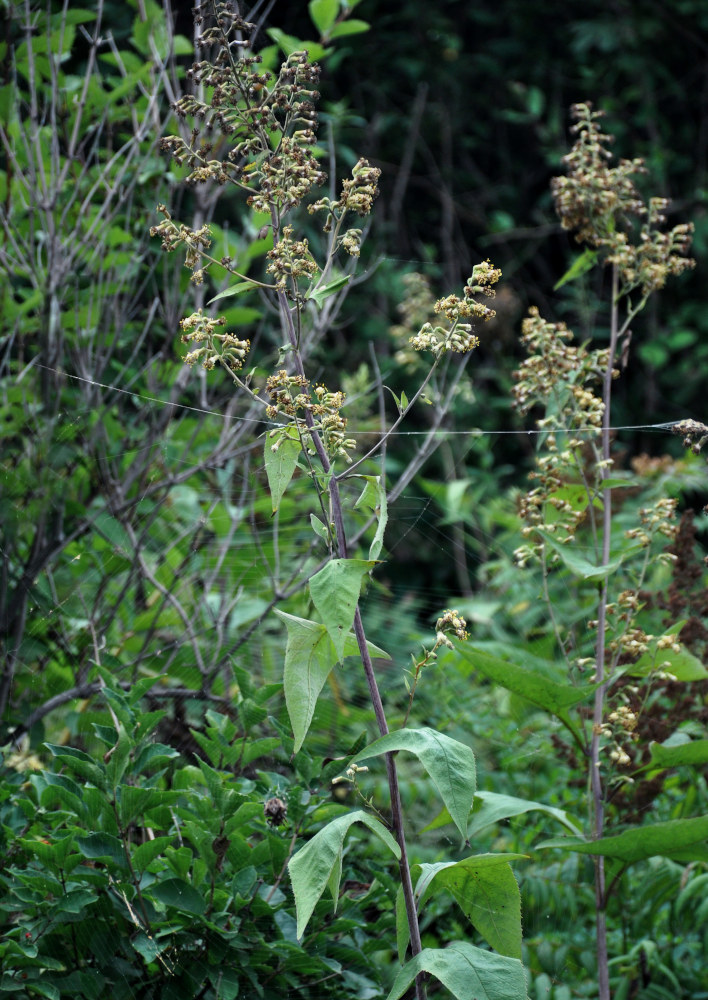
x=136, y=529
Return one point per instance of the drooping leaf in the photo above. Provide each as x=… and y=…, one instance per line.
x=335, y=592
x=309, y=658
x=449, y=763
x=374, y=497
x=280, y=463
x=492, y=807
x=319, y=863
x=469, y=973
x=680, y=839
x=486, y=891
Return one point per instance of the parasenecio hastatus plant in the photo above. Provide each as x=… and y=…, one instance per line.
x=256, y=134
x=575, y=527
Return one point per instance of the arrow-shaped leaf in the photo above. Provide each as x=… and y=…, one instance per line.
x=335, y=593
x=486, y=891
x=319, y=863
x=469, y=973
x=309, y=658
x=280, y=457
x=449, y=763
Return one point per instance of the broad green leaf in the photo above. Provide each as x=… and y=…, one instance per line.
x=469, y=973
x=281, y=455
x=145, y=853
x=582, y=568
x=238, y=289
x=351, y=27
x=684, y=666
x=581, y=265
x=319, y=863
x=179, y=894
x=309, y=658
x=374, y=497
x=532, y=685
x=692, y=752
x=290, y=44
x=320, y=294
x=486, y=891
x=450, y=764
x=335, y=592
x=102, y=846
x=492, y=807
x=680, y=839
x=323, y=14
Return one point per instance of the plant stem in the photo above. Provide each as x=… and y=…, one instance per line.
x=598, y=800
x=394, y=791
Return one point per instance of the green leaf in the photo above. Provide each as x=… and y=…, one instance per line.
x=680, y=839
x=351, y=27
x=318, y=295
x=580, y=266
x=486, y=891
x=323, y=14
x=492, y=807
x=335, y=593
x=374, y=497
x=309, y=657
x=319, y=863
x=530, y=684
x=179, y=894
x=582, y=568
x=281, y=463
x=146, y=853
x=102, y=846
x=469, y=973
x=80, y=763
x=238, y=289
x=693, y=752
x=319, y=529
x=290, y=44
x=683, y=665
x=450, y=764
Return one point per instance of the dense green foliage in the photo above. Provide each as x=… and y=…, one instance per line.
x=185, y=808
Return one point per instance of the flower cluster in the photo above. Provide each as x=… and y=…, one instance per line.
x=458, y=336
x=450, y=623
x=290, y=395
x=290, y=259
x=195, y=242
x=247, y=110
x=357, y=195
x=602, y=204
x=215, y=347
